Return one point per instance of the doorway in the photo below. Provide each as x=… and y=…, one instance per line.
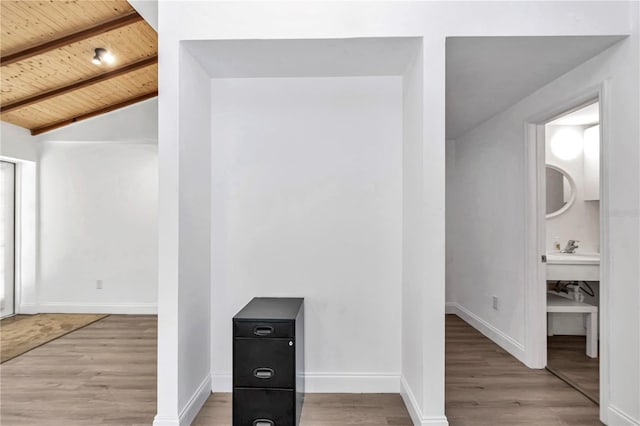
x=571, y=242
x=7, y=238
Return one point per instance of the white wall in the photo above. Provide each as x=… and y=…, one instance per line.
x=486, y=219
x=184, y=338
x=194, y=239
x=451, y=228
x=17, y=143
x=149, y=11
x=194, y=317
x=88, y=212
x=582, y=220
x=307, y=203
x=98, y=221
x=97, y=215
x=413, y=315
x=489, y=214
x=138, y=122
x=434, y=21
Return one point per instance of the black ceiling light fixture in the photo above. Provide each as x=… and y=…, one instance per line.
x=102, y=56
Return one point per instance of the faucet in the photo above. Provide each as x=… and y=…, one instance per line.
x=571, y=246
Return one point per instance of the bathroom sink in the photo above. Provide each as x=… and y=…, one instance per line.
x=573, y=266
x=573, y=258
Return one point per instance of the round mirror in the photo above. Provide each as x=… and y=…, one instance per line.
x=561, y=191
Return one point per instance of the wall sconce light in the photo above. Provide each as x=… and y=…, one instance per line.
x=102, y=56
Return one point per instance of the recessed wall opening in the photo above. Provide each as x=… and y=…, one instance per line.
x=313, y=172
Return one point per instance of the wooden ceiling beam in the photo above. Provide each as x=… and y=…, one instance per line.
x=80, y=84
x=121, y=21
x=104, y=110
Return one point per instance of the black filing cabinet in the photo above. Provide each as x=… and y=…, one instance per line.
x=268, y=362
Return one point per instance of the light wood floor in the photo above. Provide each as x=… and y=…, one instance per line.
x=566, y=356
x=487, y=386
x=105, y=374
x=329, y=409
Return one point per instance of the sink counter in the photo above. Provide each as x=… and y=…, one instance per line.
x=573, y=266
x=558, y=258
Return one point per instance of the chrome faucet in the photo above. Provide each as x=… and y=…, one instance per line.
x=571, y=246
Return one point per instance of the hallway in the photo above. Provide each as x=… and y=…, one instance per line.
x=487, y=386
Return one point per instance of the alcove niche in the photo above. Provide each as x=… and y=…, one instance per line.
x=301, y=174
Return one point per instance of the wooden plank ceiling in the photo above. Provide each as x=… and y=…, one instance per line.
x=46, y=47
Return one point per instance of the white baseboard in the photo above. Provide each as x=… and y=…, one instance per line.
x=506, y=342
x=191, y=409
x=417, y=417
x=450, y=308
x=27, y=309
x=97, y=308
x=618, y=417
x=352, y=382
x=166, y=421
x=331, y=382
x=195, y=403
x=221, y=383
x=410, y=402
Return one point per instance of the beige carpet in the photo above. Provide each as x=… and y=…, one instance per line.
x=22, y=333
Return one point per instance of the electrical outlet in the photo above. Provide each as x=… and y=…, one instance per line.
x=98, y=284
x=495, y=303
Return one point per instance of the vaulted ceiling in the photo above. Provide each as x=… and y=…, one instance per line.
x=46, y=46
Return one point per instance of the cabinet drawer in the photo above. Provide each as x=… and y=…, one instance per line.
x=263, y=407
x=263, y=329
x=264, y=363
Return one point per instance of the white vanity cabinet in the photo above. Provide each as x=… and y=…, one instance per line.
x=573, y=267
x=591, y=163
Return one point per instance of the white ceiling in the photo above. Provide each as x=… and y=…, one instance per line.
x=304, y=58
x=486, y=75
x=582, y=117
x=148, y=9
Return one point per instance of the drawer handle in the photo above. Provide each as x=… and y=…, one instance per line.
x=263, y=330
x=263, y=373
x=263, y=422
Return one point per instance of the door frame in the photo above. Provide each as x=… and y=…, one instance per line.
x=535, y=238
x=25, y=235
x=14, y=236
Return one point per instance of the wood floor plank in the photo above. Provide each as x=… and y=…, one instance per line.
x=487, y=386
x=323, y=410
x=105, y=374
x=566, y=356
